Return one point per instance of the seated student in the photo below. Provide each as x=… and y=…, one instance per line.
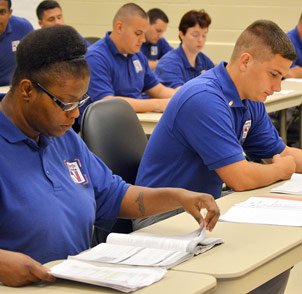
x=49, y=13
x=12, y=30
x=52, y=188
x=295, y=35
x=220, y=115
x=186, y=62
x=213, y=119
x=156, y=46
x=119, y=69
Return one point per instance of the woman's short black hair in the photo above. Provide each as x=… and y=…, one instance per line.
x=56, y=50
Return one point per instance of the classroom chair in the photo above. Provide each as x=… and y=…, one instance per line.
x=112, y=131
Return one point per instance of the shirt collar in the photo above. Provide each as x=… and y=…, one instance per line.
x=14, y=135
x=113, y=48
x=228, y=87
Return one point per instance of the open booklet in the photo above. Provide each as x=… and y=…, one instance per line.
x=293, y=186
x=125, y=279
x=145, y=249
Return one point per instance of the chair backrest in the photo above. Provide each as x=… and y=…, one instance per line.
x=92, y=40
x=112, y=131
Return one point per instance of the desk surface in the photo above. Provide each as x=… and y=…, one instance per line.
x=251, y=254
x=173, y=282
x=273, y=103
x=4, y=89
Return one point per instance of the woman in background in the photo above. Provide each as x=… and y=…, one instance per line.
x=187, y=61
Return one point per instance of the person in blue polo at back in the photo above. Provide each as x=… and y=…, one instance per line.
x=120, y=70
x=12, y=30
x=156, y=46
x=215, y=118
x=295, y=35
x=187, y=61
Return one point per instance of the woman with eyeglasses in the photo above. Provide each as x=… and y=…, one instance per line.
x=187, y=61
x=53, y=190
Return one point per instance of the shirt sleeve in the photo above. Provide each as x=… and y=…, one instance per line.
x=169, y=71
x=210, y=124
x=101, y=84
x=150, y=79
x=263, y=140
x=109, y=190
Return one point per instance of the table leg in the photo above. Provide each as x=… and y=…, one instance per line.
x=300, y=126
x=282, y=121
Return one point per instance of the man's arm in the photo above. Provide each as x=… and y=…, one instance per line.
x=246, y=175
x=17, y=269
x=144, y=105
x=153, y=64
x=296, y=154
x=142, y=202
x=161, y=91
x=160, y=97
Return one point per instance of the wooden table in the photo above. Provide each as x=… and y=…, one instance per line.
x=251, y=255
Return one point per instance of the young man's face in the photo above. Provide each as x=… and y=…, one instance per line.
x=132, y=35
x=5, y=14
x=155, y=31
x=263, y=78
x=51, y=17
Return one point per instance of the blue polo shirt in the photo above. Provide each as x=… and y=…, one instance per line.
x=113, y=73
x=174, y=69
x=156, y=51
x=297, y=42
x=206, y=126
x=16, y=29
x=52, y=194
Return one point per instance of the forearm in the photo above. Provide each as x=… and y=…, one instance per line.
x=246, y=175
x=297, y=155
x=140, y=202
x=144, y=105
x=143, y=202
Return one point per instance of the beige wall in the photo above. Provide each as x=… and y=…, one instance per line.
x=229, y=18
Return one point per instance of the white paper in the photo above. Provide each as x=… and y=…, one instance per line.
x=293, y=80
x=293, y=186
x=145, y=249
x=261, y=210
x=124, y=279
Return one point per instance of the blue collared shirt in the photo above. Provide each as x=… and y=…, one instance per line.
x=156, y=51
x=174, y=69
x=16, y=29
x=52, y=194
x=297, y=42
x=114, y=74
x=206, y=126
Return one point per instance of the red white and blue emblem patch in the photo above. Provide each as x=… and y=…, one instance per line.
x=75, y=172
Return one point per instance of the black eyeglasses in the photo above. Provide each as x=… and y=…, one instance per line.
x=64, y=106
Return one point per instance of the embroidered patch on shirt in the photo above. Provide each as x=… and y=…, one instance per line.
x=246, y=128
x=15, y=45
x=75, y=172
x=137, y=65
x=154, y=50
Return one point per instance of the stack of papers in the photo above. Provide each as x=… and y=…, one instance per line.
x=262, y=210
x=124, y=279
x=293, y=186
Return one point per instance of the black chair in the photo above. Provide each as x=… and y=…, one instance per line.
x=112, y=131
x=92, y=40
